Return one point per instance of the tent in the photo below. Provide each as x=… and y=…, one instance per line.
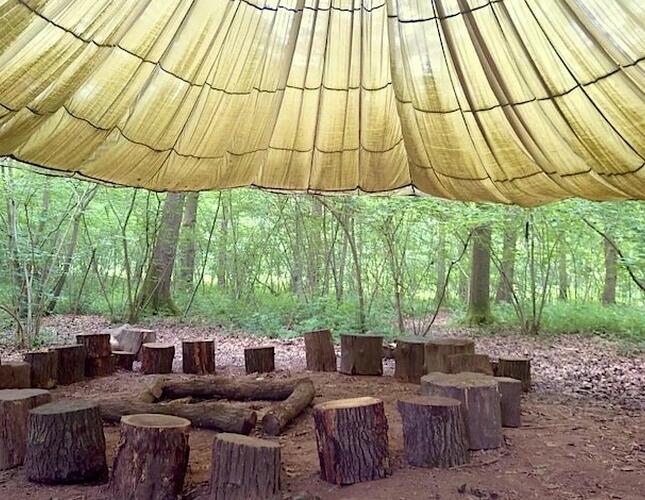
x=510, y=101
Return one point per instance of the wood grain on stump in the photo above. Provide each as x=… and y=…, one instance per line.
x=510, y=391
x=437, y=350
x=157, y=358
x=409, y=357
x=517, y=368
x=14, y=411
x=151, y=458
x=319, y=351
x=480, y=404
x=97, y=345
x=123, y=360
x=65, y=443
x=259, y=359
x=279, y=415
x=71, y=363
x=477, y=363
x=244, y=468
x=15, y=375
x=361, y=354
x=434, y=433
x=44, y=368
x=351, y=435
x=198, y=356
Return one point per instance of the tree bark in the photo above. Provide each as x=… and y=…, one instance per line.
x=188, y=241
x=99, y=367
x=409, y=356
x=510, y=391
x=97, y=345
x=15, y=375
x=319, y=351
x=259, y=359
x=479, y=295
x=71, y=363
x=611, y=274
x=157, y=358
x=277, y=418
x=123, y=360
x=198, y=356
x=361, y=354
x=517, y=368
x=438, y=350
x=477, y=363
x=44, y=368
x=563, y=276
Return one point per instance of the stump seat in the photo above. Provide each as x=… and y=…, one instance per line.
x=44, y=368
x=437, y=351
x=15, y=375
x=409, y=356
x=98, y=360
x=70, y=364
x=517, y=368
x=319, y=351
x=157, y=358
x=198, y=356
x=259, y=359
x=510, y=391
x=467, y=362
x=361, y=354
x=123, y=360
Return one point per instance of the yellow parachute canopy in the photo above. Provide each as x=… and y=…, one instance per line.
x=512, y=101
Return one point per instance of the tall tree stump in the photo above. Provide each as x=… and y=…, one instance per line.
x=510, y=391
x=151, y=458
x=15, y=375
x=438, y=350
x=71, y=363
x=244, y=468
x=259, y=359
x=434, y=433
x=409, y=357
x=319, y=351
x=123, y=360
x=361, y=354
x=65, y=443
x=14, y=411
x=351, y=435
x=480, y=404
x=157, y=358
x=97, y=345
x=477, y=363
x=44, y=368
x=198, y=356
x=517, y=368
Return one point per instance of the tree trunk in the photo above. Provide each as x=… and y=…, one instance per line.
x=563, y=276
x=198, y=356
x=479, y=295
x=441, y=269
x=319, y=351
x=510, y=391
x=44, y=368
x=507, y=272
x=188, y=241
x=361, y=354
x=438, y=350
x=409, y=356
x=517, y=368
x=611, y=274
x=277, y=418
x=157, y=358
x=71, y=363
x=259, y=359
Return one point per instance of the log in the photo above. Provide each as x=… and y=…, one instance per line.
x=97, y=345
x=15, y=375
x=244, y=468
x=361, y=354
x=480, y=403
x=409, y=357
x=99, y=367
x=517, y=368
x=217, y=416
x=476, y=363
x=65, y=443
x=157, y=358
x=437, y=350
x=123, y=360
x=277, y=418
x=259, y=359
x=434, y=433
x=510, y=391
x=198, y=356
x=71, y=363
x=319, y=351
x=14, y=411
x=151, y=459
x=351, y=435
x=44, y=368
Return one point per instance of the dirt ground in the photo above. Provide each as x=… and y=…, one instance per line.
x=582, y=436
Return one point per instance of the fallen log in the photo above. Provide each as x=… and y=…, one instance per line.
x=281, y=414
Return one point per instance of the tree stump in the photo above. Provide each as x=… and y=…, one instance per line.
x=409, y=358
x=434, y=433
x=361, y=354
x=476, y=363
x=14, y=411
x=15, y=375
x=244, y=468
x=44, y=368
x=65, y=443
x=157, y=358
x=351, y=435
x=437, y=351
x=517, y=368
x=319, y=351
x=151, y=458
x=198, y=356
x=480, y=403
x=123, y=360
x=510, y=391
x=259, y=359
x=71, y=363
x=97, y=345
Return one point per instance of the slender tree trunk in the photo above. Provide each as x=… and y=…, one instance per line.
x=222, y=247
x=188, y=243
x=505, y=283
x=297, y=244
x=611, y=274
x=479, y=296
x=563, y=276
x=441, y=269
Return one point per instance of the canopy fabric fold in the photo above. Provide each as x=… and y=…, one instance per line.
x=510, y=101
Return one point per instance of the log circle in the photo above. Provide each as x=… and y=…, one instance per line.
x=157, y=358
x=361, y=354
x=44, y=368
x=438, y=349
x=510, y=391
x=409, y=356
x=259, y=359
x=319, y=351
x=198, y=356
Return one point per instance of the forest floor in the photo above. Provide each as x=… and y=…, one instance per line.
x=582, y=436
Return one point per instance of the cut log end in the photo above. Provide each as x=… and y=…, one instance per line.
x=155, y=421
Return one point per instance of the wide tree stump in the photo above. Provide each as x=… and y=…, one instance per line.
x=123, y=360
x=65, y=443
x=437, y=351
x=510, y=391
x=434, y=433
x=44, y=368
x=517, y=368
x=259, y=359
x=476, y=363
x=480, y=404
x=319, y=351
x=15, y=375
x=281, y=414
x=97, y=345
x=244, y=468
x=157, y=358
x=409, y=357
x=151, y=458
x=351, y=435
x=71, y=363
x=361, y=354
x=198, y=356
x=14, y=411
